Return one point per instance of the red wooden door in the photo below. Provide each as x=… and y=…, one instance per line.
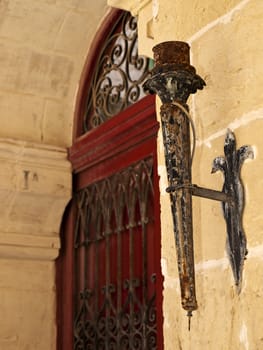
x=110, y=276
x=108, y=273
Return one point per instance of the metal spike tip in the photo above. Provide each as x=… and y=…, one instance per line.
x=189, y=315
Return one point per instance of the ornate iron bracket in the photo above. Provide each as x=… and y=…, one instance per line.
x=233, y=208
x=174, y=79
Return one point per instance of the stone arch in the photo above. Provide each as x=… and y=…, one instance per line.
x=43, y=47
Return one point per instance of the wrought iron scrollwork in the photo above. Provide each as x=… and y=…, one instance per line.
x=114, y=283
x=119, y=73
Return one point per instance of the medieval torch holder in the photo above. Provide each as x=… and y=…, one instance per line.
x=173, y=79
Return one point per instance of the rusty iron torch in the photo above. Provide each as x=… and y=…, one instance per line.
x=173, y=79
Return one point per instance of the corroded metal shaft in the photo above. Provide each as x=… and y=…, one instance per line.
x=174, y=79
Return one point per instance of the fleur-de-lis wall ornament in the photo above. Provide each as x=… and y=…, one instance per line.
x=230, y=166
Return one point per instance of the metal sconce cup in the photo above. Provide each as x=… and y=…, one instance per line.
x=173, y=79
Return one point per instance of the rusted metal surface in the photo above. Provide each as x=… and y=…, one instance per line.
x=173, y=79
x=176, y=135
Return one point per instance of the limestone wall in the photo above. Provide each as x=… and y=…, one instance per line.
x=226, y=48
x=43, y=47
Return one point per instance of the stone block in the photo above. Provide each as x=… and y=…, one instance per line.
x=170, y=18
x=57, y=123
x=48, y=75
x=75, y=31
x=228, y=57
x=33, y=72
x=146, y=34
x=35, y=188
x=27, y=305
x=134, y=6
x=235, y=317
x=84, y=5
x=33, y=23
x=21, y=116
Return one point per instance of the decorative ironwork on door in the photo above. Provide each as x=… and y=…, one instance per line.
x=118, y=75
x=115, y=292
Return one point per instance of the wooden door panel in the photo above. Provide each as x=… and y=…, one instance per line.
x=112, y=238
x=116, y=306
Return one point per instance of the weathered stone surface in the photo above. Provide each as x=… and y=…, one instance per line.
x=43, y=48
x=187, y=17
x=57, y=123
x=224, y=319
x=21, y=116
x=133, y=6
x=228, y=57
x=29, y=71
x=85, y=5
x=77, y=30
x=27, y=305
x=35, y=188
x=227, y=53
x=175, y=20
x=44, y=18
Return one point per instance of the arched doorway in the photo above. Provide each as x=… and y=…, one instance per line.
x=109, y=275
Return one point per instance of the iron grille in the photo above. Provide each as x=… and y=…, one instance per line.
x=114, y=270
x=118, y=76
